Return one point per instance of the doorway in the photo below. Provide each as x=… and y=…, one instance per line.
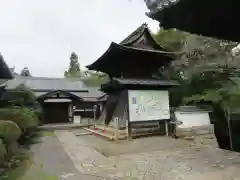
x=56, y=112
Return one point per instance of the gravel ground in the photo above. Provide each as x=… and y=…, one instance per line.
x=140, y=145
x=156, y=158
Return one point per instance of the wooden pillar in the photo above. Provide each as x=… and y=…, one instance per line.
x=70, y=112
x=128, y=120
x=88, y=122
x=116, y=129
x=166, y=127
x=129, y=130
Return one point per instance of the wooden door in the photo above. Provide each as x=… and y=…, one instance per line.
x=56, y=112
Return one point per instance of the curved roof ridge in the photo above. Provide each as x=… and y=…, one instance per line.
x=139, y=31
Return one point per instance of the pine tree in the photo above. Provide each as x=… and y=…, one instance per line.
x=74, y=70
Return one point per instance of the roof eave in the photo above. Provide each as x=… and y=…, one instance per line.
x=190, y=16
x=94, y=66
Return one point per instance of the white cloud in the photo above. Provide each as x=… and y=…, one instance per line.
x=42, y=34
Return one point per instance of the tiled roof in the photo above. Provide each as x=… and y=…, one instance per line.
x=92, y=95
x=150, y=82
x=42, y=86
x=194, y=109
x=47, y=84
x=134, y=35
x=38, y=94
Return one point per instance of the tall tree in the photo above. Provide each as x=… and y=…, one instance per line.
x=25, y=72
x=74, y=70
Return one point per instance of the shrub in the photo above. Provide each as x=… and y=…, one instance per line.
x=20, y=96
x=9, y=132
x=23, y=117
x=3, y=151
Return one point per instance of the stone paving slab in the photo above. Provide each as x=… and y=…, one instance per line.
x=79, y=152
x=188, y=162
x=50, y=161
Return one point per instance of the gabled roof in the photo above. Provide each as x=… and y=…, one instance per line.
x=142, y=38
x=213, y=18
x=59, y=92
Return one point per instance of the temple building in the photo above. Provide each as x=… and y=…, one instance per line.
x=215, y=18
x=136, y=98
x=63, y=100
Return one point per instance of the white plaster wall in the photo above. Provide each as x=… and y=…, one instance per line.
x=77, y=119
x=192, y=119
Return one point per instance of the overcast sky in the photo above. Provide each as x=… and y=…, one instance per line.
x=41, y=34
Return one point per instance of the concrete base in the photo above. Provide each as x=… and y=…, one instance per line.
x=200, y=135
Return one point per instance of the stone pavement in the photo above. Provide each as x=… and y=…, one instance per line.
x=188, y=162
x=52, y=162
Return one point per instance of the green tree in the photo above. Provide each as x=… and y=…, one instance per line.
x=74, y=70
x=204, y=72
x=94, y=79
x=227, y=96
x=199, y=53
x=171, y=39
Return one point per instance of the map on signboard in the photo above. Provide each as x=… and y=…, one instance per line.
x=148, y=105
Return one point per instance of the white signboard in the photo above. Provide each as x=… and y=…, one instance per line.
x=148, y=105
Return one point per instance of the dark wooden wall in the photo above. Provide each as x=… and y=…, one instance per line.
x=56, y=112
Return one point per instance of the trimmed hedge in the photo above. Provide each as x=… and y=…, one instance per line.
x=23, y=117
x=9, y=132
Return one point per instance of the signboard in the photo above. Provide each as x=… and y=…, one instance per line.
x=148, y=105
